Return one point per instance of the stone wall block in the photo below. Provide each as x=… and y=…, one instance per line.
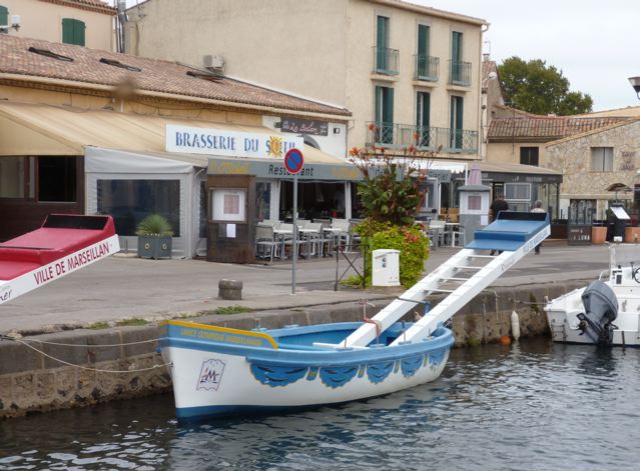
x=234, y=322
x=24, y=391
x=6, y=393
x=100, y=354
x=86, y=382
x=66, y=383
x=133, y=335
x=16, y=358
x=45, y=386
x=75, y=352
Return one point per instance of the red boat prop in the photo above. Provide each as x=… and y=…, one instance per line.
x=64, y=244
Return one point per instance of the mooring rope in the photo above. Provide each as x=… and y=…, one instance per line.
x=87, y=368
x=8, y=337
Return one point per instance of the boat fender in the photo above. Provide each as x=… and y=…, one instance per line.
x=515, y=325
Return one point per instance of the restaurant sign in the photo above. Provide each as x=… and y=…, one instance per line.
x=277, y=170
x=304, y=126
x=211, y=141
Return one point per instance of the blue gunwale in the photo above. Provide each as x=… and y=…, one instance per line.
x=291, y=355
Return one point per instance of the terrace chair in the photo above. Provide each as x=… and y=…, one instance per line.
x=459, y=237
x=344, y=237
x=316, y=240
x=266, y=244
x=298, y=244
x=436, y=233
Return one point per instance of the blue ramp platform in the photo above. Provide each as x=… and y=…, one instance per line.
x=509, y=232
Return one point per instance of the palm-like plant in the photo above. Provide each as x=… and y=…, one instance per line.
x=154, y=224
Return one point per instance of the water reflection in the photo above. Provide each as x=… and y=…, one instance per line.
x=529, y=406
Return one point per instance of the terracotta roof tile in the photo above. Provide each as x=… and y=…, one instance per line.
x=97, y=5
x=155, y=75
x=544, y=129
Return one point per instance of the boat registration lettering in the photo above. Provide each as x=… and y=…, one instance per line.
x=222, y=337
x=210, y=374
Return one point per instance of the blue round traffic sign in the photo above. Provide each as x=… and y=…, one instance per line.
x=293, y=161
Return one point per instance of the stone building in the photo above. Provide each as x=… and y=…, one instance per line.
x=82, y=22
x=593, y=161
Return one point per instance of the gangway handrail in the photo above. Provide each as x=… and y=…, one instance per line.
x=513, y=234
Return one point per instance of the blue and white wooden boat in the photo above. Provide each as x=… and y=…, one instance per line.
x=220, y=371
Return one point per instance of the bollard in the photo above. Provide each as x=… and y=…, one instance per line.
x=230, y=289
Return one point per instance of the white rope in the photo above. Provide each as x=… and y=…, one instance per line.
x=83, y=345
x=98, y=370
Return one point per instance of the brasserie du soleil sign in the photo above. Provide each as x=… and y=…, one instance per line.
x=221, y=142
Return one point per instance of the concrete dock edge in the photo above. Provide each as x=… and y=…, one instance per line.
x=32, y=382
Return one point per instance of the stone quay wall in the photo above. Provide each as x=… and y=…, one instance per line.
x=32, y=382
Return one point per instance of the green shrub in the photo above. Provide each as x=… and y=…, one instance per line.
x=409, y=240
x=154, y=225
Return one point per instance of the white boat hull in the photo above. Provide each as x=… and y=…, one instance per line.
x=218, y=371
x=562, y=312
x=239, y=391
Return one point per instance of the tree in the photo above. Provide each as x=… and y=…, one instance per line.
x=391, y=192
x=537, y=88
x=392, y=189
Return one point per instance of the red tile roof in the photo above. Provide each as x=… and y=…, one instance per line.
x=93, y=5
x=158, y=76
x=544, y=129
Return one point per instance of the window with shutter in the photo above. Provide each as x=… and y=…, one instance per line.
x=73, y=31
x=4, y=16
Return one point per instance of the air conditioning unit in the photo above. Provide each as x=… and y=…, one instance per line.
x=213, y=62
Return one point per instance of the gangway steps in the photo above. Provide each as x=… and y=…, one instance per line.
x=460, y=278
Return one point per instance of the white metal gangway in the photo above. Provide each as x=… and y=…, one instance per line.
x=462, y=277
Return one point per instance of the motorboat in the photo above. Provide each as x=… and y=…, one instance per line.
x=218, y=371
x=605, y=313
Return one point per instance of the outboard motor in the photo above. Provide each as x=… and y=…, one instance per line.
x=601, y=306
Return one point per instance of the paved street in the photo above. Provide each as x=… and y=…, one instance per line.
x=126, y=287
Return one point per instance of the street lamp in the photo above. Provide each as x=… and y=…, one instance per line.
x=635, y=83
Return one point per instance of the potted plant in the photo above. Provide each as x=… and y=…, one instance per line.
x=154, y=237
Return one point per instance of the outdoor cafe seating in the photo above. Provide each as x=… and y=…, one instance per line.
x=315, y=239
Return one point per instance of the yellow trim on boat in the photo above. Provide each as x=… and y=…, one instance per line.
x=225, y=330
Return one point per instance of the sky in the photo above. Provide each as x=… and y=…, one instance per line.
x=595, y=43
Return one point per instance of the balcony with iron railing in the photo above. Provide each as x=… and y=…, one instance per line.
x=385, y=60
x=424, y=138
x=427, y=67
x=460, y=73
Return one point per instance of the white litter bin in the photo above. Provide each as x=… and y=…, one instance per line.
x=385, y=267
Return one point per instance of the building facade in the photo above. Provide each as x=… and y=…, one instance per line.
x=409, y=74
x=86, y=131
x=81, y=22
x=592, y=163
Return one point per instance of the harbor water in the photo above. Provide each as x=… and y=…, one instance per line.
x=528, y=406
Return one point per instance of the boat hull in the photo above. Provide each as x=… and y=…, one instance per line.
x=562, y=316
x=216, y=378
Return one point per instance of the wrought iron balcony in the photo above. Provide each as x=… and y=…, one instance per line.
x=427, y=67
x=399, y=136
x=385, y=60
x=460, y=73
